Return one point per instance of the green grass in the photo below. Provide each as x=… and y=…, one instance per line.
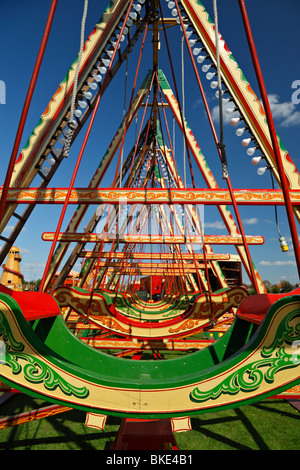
x=268, y=425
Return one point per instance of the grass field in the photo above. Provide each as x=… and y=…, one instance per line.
x=268, y=425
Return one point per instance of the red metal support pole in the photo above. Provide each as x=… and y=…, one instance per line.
x=264, y=96
x=78, y=161
x=26, y=107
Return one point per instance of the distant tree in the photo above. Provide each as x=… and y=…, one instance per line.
x=275, y=289
x=286, y=286
x=251, y=290
x=267, y=285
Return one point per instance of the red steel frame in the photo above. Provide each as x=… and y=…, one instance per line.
x=264, y=96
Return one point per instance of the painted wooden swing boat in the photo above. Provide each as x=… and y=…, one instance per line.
x=192, y=320
x=257, y=358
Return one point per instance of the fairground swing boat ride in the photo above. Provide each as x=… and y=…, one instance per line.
x=145, y=286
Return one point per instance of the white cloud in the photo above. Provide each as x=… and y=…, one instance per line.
x=33, y=265
x=251, y=221
x=226, y=115
x=217, y=225
x=277, y=263
x=23, y=249
x=284, y=112
x=280, y=110
x=9, y=228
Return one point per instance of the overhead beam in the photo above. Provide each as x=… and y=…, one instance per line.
x=205, y=196
x=156, y=239
x=161, y=256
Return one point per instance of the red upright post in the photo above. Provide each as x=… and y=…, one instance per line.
x=264, y=96
x=26, y=107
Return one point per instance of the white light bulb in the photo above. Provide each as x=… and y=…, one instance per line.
x=102, y=69
x=82, y=104
x=246, y=142
x=206, y=67
x=256, y=160
x=192, y=42
x=129, y=22
x=189, y=33
x=78, y=113
x=261, y=171
x=73, y=123
x=240, y=131
x=88, y=95
x=137, y=7
x=174, y=12
x=110, y=53
x=200, y=59
x=214, y=85
x=61, y=140
x=106, y=62
x=234, y=121
x=133, y=15
x=185, y=26
x=45, y=170
x=66, y=132
x=171, y=5
x=251, y=151
x=197, y=50
x=98, y=78
x=217, y=94
x=210, y=75
x=55, y=150
x=93, y=85
x=229, y=110
x=125, y=30
x=50, y=160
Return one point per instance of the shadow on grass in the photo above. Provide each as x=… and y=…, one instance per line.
x=62, y=431
x=219, y=439
x=268, y=425
x=264, y=426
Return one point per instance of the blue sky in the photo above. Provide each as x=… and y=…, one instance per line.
x=275, y=26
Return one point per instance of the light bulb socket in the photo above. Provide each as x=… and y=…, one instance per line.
x=283, y=244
